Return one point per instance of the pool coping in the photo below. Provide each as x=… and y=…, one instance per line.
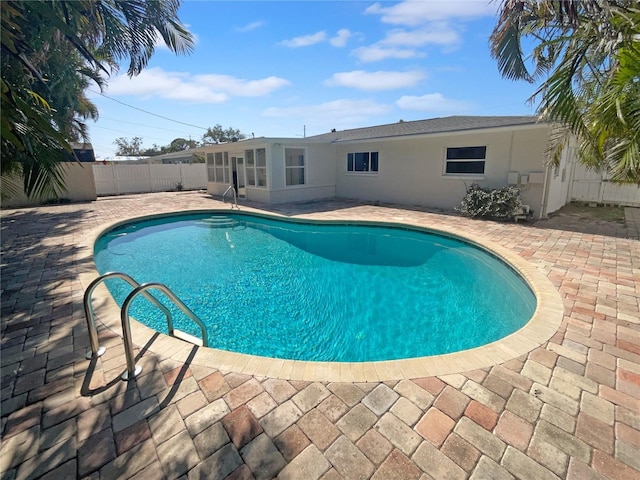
x=544, y=323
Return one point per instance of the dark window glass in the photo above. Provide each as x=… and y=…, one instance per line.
x=374, y=161
x=466, y=167
x=466, y=153
x=362, y=162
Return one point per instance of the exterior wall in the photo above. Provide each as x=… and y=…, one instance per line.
x=411, y=170
x=558, y=182
x=319, y=173
x=526, y=156
x=117, y=179
x=79, y=182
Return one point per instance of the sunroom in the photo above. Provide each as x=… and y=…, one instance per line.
x=271, y=170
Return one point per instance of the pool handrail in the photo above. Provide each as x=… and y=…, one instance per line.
x=96, y=349
x=235, y=197
x=132, y=369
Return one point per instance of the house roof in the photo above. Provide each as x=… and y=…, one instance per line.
x=423, y=127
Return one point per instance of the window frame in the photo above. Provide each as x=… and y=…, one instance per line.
x=290, y=168
x=256, y=163
x=211, y=173
x=473, y=155
x=249, y=163
x=225, y=168
x=219, y=167
x=369, y=162
x=261, y=167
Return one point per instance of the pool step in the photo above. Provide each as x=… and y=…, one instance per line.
x=220, y=222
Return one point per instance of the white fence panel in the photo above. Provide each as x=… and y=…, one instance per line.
x=194, y=176
x=116, y=179
x=621, y=194
x=133, y=178
x=590, y=186
x=105, y=178
x=164, y=177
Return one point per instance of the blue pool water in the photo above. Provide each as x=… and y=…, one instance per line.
x=324, y=292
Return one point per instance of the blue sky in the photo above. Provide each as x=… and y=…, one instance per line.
x=289, y=68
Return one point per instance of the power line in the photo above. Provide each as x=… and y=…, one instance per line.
x=145, y=111
x=142, y=125
x=122, y=131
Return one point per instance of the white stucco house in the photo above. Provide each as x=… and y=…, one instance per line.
x=427, y=163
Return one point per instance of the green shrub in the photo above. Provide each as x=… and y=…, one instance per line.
x=498, y=204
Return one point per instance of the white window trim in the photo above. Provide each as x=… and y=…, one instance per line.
x=304, y=166
x=464, y=176
x=368, y=173
x=256, y=168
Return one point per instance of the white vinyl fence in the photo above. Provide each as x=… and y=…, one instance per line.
x=590, y=186
x=117, y=179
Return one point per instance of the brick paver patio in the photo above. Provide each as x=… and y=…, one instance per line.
x=568, y=409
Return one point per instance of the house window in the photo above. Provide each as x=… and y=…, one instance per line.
x=261, y=167
x=256, y=163
x=362, y=162
x=251, y=167
x=465, y=160
x=219, y=169
x=225, y=159
x=294, y=166
x=211, y=173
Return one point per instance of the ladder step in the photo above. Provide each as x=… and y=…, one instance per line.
x=187, y=338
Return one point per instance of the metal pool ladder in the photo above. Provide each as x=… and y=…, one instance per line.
x=132, y=369
x=235, y=197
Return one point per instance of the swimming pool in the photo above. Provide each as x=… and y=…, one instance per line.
x=319, y=291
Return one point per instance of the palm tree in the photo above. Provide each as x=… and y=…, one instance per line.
x=585, y=57
x=51, y=52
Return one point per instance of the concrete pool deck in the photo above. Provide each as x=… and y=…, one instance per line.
x=569, y=408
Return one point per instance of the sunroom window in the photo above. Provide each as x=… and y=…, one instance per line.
x=294, y=166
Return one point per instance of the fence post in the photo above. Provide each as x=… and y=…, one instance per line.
x=149, y=177
x=114, y=174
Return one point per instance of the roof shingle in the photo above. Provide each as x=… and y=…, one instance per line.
x=422, y=127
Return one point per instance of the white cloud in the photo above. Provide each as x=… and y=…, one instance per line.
x=344, y=110
x=414, y=13
x=213, y=88
x=240, y=87
x=371, y=81
x=340, y=40
x=433, y=102
x=376, y=53
x=419, y=24
x=250, y=26
x=405, y=44
x=305, y=40
x=438, y=34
